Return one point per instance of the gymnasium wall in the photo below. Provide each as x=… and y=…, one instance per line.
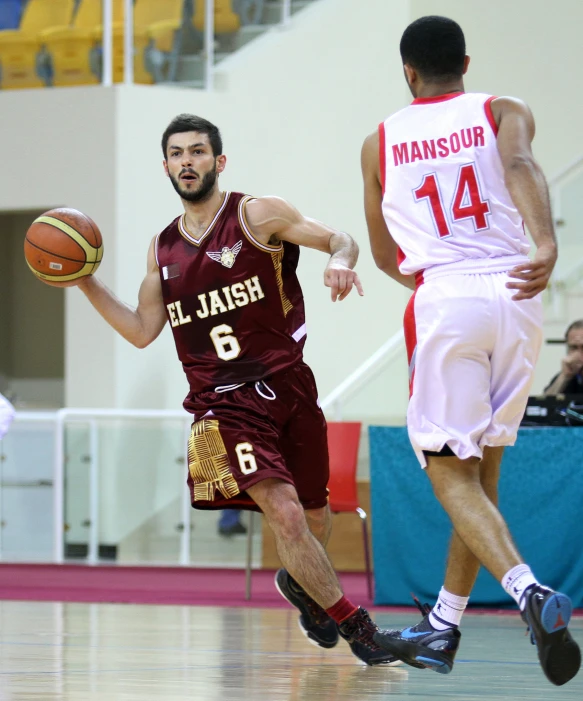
x=294, y=107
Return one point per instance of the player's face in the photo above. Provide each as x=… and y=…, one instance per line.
x=575, y=344
x=191, y=166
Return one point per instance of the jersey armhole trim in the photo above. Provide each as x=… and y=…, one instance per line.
x=490, y=114
x=247, y=229
x=156, y=242
x=382, y=155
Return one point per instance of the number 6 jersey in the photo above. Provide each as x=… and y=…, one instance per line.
x=444, y=198
x=234, y=304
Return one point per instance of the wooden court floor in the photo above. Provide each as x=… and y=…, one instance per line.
x=80, y=652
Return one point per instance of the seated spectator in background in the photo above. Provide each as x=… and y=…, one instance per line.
x=6, y=415
x=230, y=522
x=570, y=379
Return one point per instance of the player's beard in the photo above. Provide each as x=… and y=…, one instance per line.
x=205, y=188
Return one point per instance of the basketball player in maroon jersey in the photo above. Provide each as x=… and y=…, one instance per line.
x=450, y=181
x=224, y=276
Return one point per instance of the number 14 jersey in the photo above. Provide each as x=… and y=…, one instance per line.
x=444, y=198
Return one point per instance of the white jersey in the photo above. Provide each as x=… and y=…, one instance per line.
x=444, y=198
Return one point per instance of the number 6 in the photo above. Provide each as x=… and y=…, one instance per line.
x=247, y=462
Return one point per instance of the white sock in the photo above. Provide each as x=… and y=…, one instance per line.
x=448, y=611
x=516, y=581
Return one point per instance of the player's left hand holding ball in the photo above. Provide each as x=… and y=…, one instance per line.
x=341, y=280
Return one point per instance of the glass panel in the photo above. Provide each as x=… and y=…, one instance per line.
x=141, y=480
x=76, y=470
x=26, y=494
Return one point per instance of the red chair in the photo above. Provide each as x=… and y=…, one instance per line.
x=343, y=443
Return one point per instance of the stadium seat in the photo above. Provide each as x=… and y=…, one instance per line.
x=73, y=50
x=20, y=48
x=10, y=14
x=227, y=21
x=156, y=30
x=157, y=25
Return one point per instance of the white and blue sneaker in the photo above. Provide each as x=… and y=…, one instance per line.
x=422, y=646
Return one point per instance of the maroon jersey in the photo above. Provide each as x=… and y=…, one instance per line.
x=235, y=305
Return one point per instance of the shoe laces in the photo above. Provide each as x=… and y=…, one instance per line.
x=425, y=609
x=361, y=628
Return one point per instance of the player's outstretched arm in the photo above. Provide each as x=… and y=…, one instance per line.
x=273, y=219
x=528, y=188
x=139, y=326
x=383, y=247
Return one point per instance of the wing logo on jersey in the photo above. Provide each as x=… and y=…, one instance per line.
x=227, y=256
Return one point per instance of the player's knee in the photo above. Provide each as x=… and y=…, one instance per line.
x=288, y=521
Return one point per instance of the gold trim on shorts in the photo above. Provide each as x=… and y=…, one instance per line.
x=208, y=462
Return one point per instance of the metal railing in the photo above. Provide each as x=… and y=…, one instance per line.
x=90, y=417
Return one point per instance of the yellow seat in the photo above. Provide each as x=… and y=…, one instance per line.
x=155, y=25
x=72, y=49
x=19, y=48
x=226, y=20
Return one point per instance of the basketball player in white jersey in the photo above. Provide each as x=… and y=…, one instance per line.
x=449, y=181
x=6, y=415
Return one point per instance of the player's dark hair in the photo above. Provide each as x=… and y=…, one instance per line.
x=190, y=122
x=575, y=325
x=435, y=47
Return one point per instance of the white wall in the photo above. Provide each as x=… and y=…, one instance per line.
x=294, y=107
x=57, y=149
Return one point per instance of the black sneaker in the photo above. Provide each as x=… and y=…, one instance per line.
x=314, y=622
x=358, y=631
x=422, y=646
x=547, y=614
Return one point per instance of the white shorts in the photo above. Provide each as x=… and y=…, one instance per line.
x=472, y=352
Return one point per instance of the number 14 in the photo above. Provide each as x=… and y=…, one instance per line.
x=467, y=201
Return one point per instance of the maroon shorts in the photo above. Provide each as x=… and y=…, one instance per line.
x=258, y=431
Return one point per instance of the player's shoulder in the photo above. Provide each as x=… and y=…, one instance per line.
x=173, y=226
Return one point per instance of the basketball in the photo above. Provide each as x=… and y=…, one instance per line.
x=62, y=247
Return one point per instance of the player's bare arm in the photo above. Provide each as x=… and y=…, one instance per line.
x=384, y=248
x=139, y=326
x=272, y=219
x=528, y=188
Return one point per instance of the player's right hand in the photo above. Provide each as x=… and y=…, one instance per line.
x=534, y=276
x=341, y=280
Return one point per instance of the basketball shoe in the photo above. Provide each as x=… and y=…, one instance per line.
x=422, y=646
x=314, y=622
x=358, y=630
x=547, y=614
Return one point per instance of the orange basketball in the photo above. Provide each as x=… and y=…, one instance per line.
x=62, y=247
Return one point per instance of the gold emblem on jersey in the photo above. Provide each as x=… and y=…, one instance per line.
x=226, y=256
